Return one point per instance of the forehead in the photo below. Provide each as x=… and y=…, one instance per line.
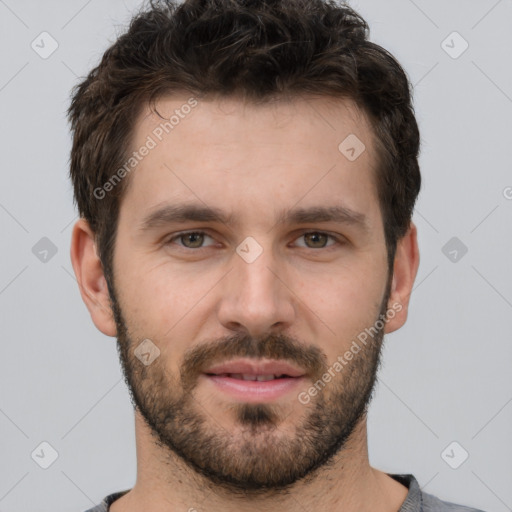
x=234, y=154
x=302, y=116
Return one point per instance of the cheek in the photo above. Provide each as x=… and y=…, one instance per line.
x=163, y=303
x=345, y=304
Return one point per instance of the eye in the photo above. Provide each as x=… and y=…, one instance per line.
x=190, y=239
x=196, y=240
x=317, y=239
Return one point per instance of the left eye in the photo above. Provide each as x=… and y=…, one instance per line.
x=195, y=239
x=317, y=239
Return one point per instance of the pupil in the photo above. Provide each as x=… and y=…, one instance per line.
x=195, y=239
x=316, y=237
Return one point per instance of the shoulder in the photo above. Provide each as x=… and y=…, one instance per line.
x=433, y=504
x=104, y=506
x=419, y=501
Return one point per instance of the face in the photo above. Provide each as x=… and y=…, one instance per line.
x=249, y=257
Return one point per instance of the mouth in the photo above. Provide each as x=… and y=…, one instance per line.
x=252, y=369
x=251, y=377
x=255, y=380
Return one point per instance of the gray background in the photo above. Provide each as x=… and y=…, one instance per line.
x=447, y=373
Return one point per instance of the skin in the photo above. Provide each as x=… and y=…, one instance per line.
x=252, y=161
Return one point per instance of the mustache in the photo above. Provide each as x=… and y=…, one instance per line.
x=272, y=346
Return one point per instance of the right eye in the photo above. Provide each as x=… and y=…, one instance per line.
x=190, y=239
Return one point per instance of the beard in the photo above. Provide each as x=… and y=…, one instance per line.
x=259, y=456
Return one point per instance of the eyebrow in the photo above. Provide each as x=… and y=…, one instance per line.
x=181, y=213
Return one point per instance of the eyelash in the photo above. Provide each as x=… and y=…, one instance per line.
x=178, y=236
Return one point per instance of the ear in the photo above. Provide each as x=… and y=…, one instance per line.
x=90, y=277
x=405, y=268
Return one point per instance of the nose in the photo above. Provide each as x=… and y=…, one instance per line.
x=256, y=297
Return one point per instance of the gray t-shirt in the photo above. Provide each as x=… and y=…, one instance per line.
x=416, y=500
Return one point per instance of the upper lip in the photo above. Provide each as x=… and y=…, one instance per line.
x=256, y=367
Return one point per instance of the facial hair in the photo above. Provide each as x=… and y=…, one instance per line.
x=258, y=458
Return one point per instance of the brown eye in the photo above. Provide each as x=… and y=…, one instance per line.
x=192, y=240
x=316, y=240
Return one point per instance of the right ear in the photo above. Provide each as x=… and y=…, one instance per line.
x=90, y=277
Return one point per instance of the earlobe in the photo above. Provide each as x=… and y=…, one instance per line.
x=404, y=274
x=90, y=277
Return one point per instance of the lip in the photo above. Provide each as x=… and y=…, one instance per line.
x=256, y=367
x=253, y=391
x=249, y=391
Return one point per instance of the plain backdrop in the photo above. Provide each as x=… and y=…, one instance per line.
x=445, y=389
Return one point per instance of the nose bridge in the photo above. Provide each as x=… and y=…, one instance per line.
x=256, y=280
x=255, y=298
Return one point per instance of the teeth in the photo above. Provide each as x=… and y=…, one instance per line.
x=260, y=378
x=242, y=376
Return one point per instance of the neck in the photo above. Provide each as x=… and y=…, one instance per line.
x=165, y=482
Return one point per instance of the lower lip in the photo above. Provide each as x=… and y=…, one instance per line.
x=254, y=390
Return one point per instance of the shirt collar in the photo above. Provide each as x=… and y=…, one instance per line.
x=413, y=501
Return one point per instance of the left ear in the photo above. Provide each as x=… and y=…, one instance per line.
x=407, y=259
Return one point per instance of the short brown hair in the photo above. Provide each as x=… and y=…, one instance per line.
x=256, y=49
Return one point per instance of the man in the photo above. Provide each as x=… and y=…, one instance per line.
x=246, y=173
